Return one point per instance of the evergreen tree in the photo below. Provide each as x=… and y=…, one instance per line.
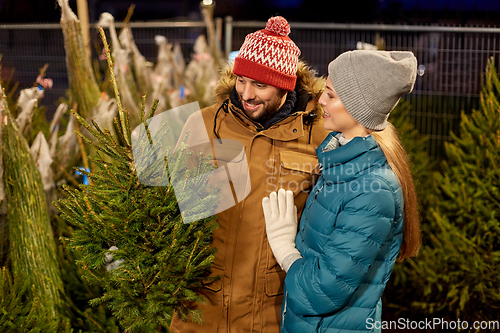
x=456, y=275
x=3, y=203
x=20, y=312
x=159, y=261
x=83, y=316
x=415, y=145
x=83, y=85
x=32, y=250
x=399, y=289
x=21, y=307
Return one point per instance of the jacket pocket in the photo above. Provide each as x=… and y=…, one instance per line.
x=275, y=282
x=216, y=285
x=297, y=171
x=299, y=162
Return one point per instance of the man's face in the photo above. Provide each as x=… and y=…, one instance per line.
x=260, y=101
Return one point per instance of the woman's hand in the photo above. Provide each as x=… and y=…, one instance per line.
x=280, y=213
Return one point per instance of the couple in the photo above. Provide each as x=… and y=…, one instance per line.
x=328, y=272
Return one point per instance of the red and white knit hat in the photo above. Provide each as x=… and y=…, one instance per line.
x=269, y=56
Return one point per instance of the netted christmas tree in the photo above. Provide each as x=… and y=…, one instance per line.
x=83, y=85
x=26, y=301
x=19, y=311
x=155, y=262
x=31, y=255
x=456, y=273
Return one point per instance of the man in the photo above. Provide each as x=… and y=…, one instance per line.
x=267, y=102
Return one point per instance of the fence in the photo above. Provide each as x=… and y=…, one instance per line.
x=451, y=59
x=451, y=62
x=26, y=48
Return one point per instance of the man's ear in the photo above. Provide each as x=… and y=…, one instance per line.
x=283, y=93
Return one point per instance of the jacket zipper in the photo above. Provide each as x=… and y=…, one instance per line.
x=316, y=194
x=319, y=189
x=284, y=312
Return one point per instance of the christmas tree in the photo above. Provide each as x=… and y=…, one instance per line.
x=455, y=275
x=399, y=290
x=32, y=249
x=83, y=85
x=415, y=145
x=126, y=81
x=19, y=311
x=155, y=262
x=23, y=299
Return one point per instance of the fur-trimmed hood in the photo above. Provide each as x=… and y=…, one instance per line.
x=307, y=81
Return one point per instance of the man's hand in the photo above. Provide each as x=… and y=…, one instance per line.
x=280, y=213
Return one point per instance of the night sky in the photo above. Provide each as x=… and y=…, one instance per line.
x=460, y=12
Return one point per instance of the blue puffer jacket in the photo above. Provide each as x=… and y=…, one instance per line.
x=349, y=235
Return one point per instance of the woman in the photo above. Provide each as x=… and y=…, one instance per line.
x=362, y=213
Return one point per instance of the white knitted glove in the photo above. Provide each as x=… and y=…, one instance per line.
x=281, y=227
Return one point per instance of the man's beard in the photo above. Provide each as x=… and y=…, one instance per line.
x=269, y=109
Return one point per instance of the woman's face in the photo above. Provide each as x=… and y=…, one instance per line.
x=337, y=118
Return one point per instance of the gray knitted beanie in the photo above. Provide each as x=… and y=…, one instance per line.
x=370, y=83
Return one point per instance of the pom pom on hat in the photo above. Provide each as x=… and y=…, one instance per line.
x=269, y=56
x=278, y=25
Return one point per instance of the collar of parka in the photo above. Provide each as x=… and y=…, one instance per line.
x=308, y=83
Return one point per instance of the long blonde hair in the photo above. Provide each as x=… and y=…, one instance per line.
x=393, y=149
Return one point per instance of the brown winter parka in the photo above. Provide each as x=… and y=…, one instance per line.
x=249, y=293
